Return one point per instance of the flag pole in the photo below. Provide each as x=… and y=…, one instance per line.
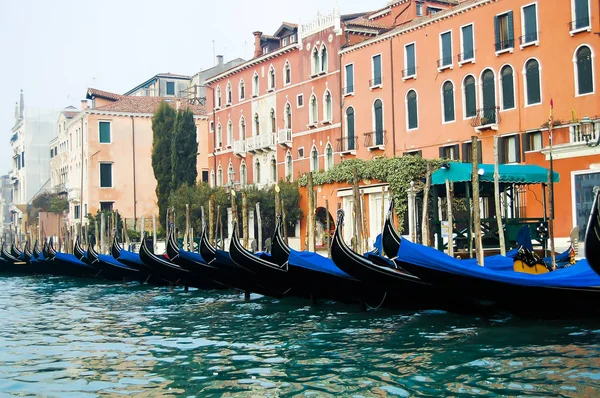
x=551, y=189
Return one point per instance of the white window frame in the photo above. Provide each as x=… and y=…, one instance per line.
x=287, y=65
x=255, y=84
x=271, y=82
x=220, y=176
x=516, y=137
x=219, y=98
x=312, y=166
x=346, y=122
x=112, y=174
x=321, y=50
x=506, y=50
x=413, y=76
x=528, y=136
x=441, y=55
x=211, y=127
x=213, y=178
x=373, y=122
x=301, y=95
x=256, y=170
x=229, y=169
x=326, y=165
x=289, y=169
x=327, y=121
x=240, y=84
x=537, y=25
x=111, y=132
x=480, y=91
x=526, y=104
x=219, y=133
x=287, y=106
x=419, y=6
x=315, y=69
x=228, y=89
x=313, y=112
x=406, y=109
x=442, y=101
x=346, y=93
x=501, y=89
x=230, y=137
x=464, y=96
x=462, y=47
x=588, y=28
x=576, y=71
x=243, y=176
x=374, y=86
x=242, y=130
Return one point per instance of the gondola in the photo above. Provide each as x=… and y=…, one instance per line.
x=390, y=238
x=280, y=251
x=171, y=272
x=67, y=264
x=238, y=277
x=12, y=265
x=592, y=236
x=38, y=266
x=36, y=252
x=133, y=260
x=109, y=267
x=16, y=252
x=574, y=290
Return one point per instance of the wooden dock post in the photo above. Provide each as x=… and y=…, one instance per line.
x=476, y=208
x=234, y=213
x=154, y=243
x=425, y=216
x=211, y=219
x=497, y=199
x=217, y=224
x=187, y=228
x=102, y=232
x=363, y=216
x=284, y=221
x=245, y=218
x=259, y=222
x=449, y=200
x=357, y=225
x=277, y=200
x=328, y=226
x=310, y=217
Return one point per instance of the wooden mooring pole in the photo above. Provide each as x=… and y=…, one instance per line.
x=476, y=208
x=497, y=200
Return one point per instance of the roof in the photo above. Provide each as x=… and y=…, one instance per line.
x=285, y=25
x=509, y=173
x=366, y=23
x=70, y=114
x=147, y=105
x=156, y=77
x=92, y=92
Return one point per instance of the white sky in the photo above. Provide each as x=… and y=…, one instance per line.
x=55, y=49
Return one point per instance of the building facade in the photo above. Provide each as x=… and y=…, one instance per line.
x=162, y=85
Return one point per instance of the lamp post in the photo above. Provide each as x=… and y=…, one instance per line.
x=587, y=132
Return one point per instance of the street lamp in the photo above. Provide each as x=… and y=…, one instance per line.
x=587, y=131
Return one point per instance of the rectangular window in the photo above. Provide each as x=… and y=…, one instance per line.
x=449, y=152
x=85, y=209
x=77, y=211
x=284, y=42
x=300, y=153
x=467, y=152
x=292, y=38
x=510, y=151
x=104, y=132
x=349, y=79
x=503, y=27
x=532, y=141
x=51, y=153
x=529, y=18
x=170, y=88
x=204, y=175
x=581, y=14
x=212, y=127
x=376, y=71
x=410, y=62
x=419, y=10
x=299, y=101
x=468, y=48
x=433, y=10
x=445, y=49
x=105, y=175
x=22, y=159
x=106, y=206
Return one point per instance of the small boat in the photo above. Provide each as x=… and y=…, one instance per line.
x=592, y=236
x=390, y=238
x=111, y=268
x=280, y=251
x=133, y=260
x=14, y=250
x=10, y=264
x=67, y=264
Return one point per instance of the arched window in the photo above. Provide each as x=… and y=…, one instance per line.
x=287, y=73
x=448, y=101
x=242, y=89
x=212, y=178
x=288, y=116
x=218, y=96
x=533, y=93
x=230, y=174
x=242, y=134
x=470, y=96
x=508, y=87
x=271, y=78
x=273, y=121
x=350, y=141
x=314, y=112
x=328, y=157
x=488, y=93
x=323, y=58
x=327, y=107
x=229, y=133
x=219, y=136
x=315, y=61
x=243, y=174
x=584, y=71
x=288, y=166
x=273, y=170
x=314, y=159
x=220, y=176
x=255, y=88
x=257, y=171
x=412, y=115
x=378, y=122
x=229, y=93
x=256, y=124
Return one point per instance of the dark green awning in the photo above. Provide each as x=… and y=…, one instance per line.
x=509, y=173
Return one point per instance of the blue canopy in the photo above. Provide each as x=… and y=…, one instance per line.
x=315, y=262
x=578, y=275
x=509, y=173
x=127, y=256
x=71, y=259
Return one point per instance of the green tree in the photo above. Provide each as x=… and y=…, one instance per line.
x=163, y=125
x=184, y=149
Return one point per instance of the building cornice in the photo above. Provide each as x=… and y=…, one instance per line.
x=130, y=114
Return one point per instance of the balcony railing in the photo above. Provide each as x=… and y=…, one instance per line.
x=347, y=144
x=348, y=90
x=239, y=148
x=486, y=118
x=577, y=135
x=264, y=141
x=375, y=139
x=409, y=72
x=376, y=82
x=445, y=62
x=529, y=38
x=505, y=44
x=578, y=24
x=284, y=137
x=466, y=56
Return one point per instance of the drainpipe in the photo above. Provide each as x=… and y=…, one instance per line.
x=134, y=186
x=81, y=187
x=393, y=97
x=341, y=105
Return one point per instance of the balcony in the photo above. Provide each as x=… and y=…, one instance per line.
x=375, y=140
x=486, y=119
x=284, y=138
x=348, y=90
x=444, y=63
x=376, y=82
x=262, y=142
x=347, y=145
x=410, y=73
x=467, y=56
x=504, y=46
x=529, y=39
x=239, y=148
x=580, y=25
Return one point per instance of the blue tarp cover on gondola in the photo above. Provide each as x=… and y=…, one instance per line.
x=127, y=256
x=110, y=260
x=71, y=259
x=315, y=262
x=577, y=275
x=191, y=256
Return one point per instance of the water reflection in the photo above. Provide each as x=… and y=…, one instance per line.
x=62, y=337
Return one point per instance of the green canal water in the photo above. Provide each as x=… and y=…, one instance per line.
x=72, y=338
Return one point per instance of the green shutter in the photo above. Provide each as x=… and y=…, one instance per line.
x=470, y=97
x=104, y=132
x=170, y=88
x=448, y=102
x=349, y=78
x=582, y=14
x=105, y=175
x=508, y=89
x=585, y=78
x=413, y=122
x=497, y=33
x=410, y=60
x=529, y=15
x=533, y=83
x=511, y=32
x=350, y=128
x=446, y=49
x=467, y=36
x=377, y=70
x=378, y=123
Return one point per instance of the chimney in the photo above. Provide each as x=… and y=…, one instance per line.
x=22, y=106
x=84, y=104
x=257, y=47
x=219, y=60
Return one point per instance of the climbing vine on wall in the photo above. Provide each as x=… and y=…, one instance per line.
x=398, y=172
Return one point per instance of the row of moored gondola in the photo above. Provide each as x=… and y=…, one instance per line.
x=407, y=276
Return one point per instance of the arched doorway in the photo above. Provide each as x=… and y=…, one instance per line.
x=322, y=234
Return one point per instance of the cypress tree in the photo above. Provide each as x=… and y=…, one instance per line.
x=184, y=149
x=163, y=125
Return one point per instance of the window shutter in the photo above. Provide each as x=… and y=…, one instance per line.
x=465, y=152
x=518, y=149
x=497, y=33
x=456, y=152
x=442, y=152
x=501, y=151
x=511, y=33
x=468, y=42
x=479, y=152
x=525, y=144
